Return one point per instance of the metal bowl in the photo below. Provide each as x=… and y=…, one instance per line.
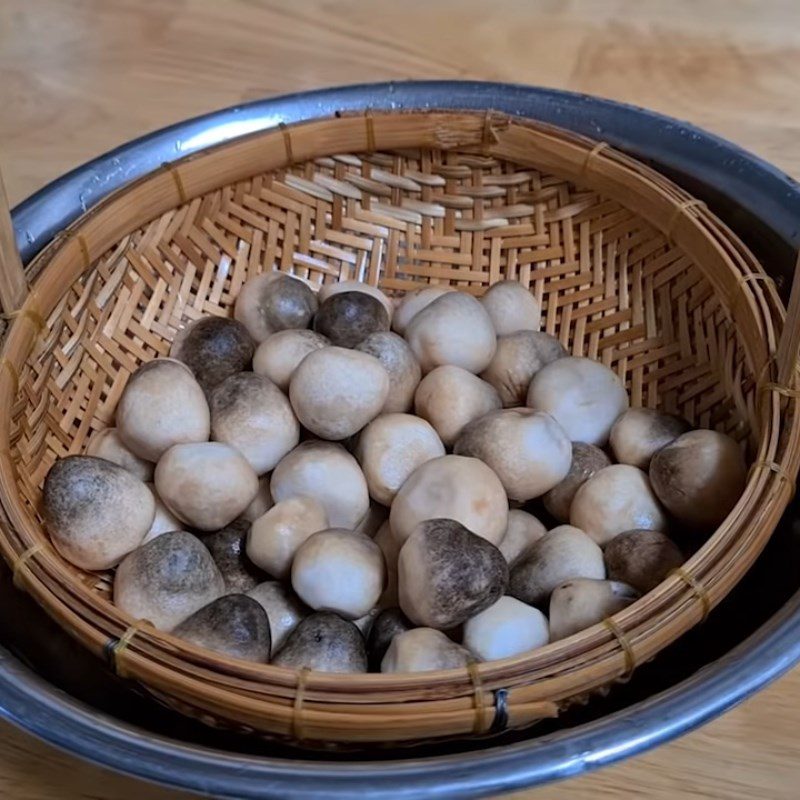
x=57, y=691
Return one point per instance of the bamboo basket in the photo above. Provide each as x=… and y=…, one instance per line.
x=629, y=269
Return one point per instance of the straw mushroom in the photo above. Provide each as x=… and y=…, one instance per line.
x=328, y=290
x=586, y=460
x=275, y=537
x=446, y=574
x=505, y=629
x=338, y=570
x=699, y=478
x=95, y=511
x=390, y=448
x=163, y=521
x=639, y=433
x=349, y=317
x=108, y=444
x=399, y=362
x=584, y=396
x=528, y=450
x=279, y=356
x=522, y=532
x=616, y=499
x=336, y=392
x=423, y=650
x=511, y=308
x=162, y=405
x=167, y=580
x=206, y=485
x=372, y=521
x=390, y=547
x=249, y=412
x=364, y=624
x=453, y=329
x=273, y=302
x=452, y=487
x=261, y=503
x=234, y=625
x=412, y=303
x=324, y=642
x=284, y=609
x=581, y=603
x=450, y=397
x=227, y=548
x=560, y=555
x=388, y=624
x=642, y=559
x=327, y=472
x=214, y=348
x=519, y=356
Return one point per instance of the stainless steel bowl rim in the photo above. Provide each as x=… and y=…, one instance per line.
x=46, y=711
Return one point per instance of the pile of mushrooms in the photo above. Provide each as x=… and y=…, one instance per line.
x=343, y=481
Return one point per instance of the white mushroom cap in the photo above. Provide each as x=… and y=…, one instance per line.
x=639, y=433
x=506, y=629
x=207, y=485
x=699, y=478
x=423, y=650
x=335, y=392
x=581, y=603
x=261, y=503
x=413, y=302
x=108, y=444
x=329, y=289
x=452, y=487
x=522, y=531
x=586, y=460
x=164, y=520
x=528, y=450
x=162, y=405
x=401, y=366
x=327, y=472
x=511, y=307
x=279, y=356
x=584, y=396
x=338, y=570
x=450, y=397
x=616, y=499
x=249, y=412
x=284, y=610
x=275, y=537
x=390, y=448
x=453, y=329
x=560, y=555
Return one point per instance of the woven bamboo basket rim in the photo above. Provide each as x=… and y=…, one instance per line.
x=460, y=699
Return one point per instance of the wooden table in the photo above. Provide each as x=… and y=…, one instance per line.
x=78, y=77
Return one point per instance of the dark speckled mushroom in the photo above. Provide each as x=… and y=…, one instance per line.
x=324, y=642
x=274, y=302
x=227, y=548
x=387, y=625
x=349, y=317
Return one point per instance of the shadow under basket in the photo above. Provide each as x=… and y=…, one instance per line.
x=628, y=268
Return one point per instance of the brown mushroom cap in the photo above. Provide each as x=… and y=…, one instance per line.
x=446, y=574
x=584, y=396
x=616, y=499
x=452, y=487
x=511, y=307
x=586, y=460
x=699, y=478
x=581, y=603
x=328, y=290
x=95, y=511
x=642, y=559
x=522, y=531
x=227, y=548
x=250, y=413
x=108, y=444
x=423, y=650
x=207, y=485
x=235, y=625
x=214, y=348
x=390, y=448
x=327, y=472
x=639, y=433
x=528, y=450
x=167, y=580
x=347, y=318
x=335, y=392
x=162, y=405
x=412, y=303
x=273, y=302
x=519, y=356
x=401, y=366
x=284, y=609
x=454, y=329
x=324, y=642
x=388, y=624
x=505, y=629
x=279, y=356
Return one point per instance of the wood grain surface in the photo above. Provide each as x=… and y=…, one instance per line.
x=78, y=77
